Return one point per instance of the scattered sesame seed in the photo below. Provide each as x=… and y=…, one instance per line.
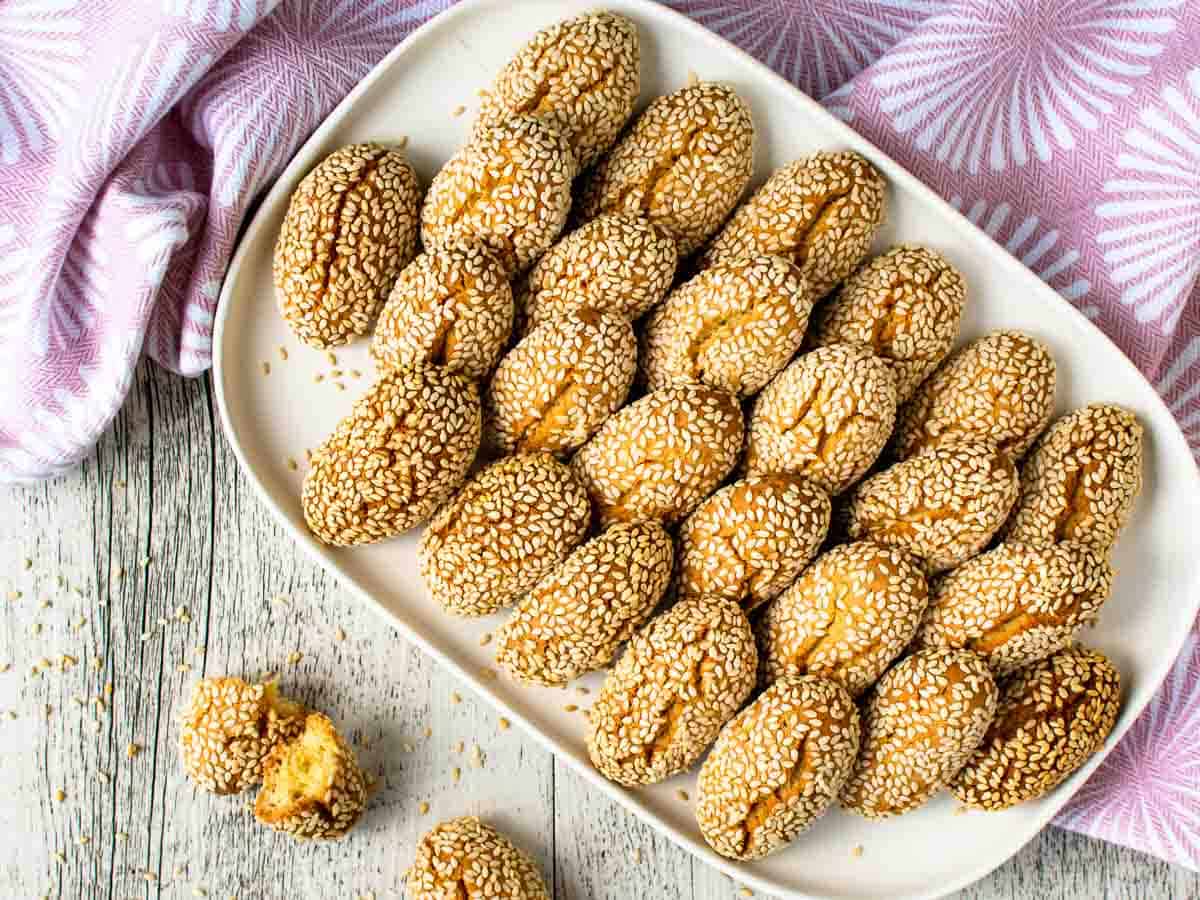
x=339, y=634
x=14, y=595
x=83, y=840
x=294, y=657
x=456, y=774
x=571, y=707
x=428, y=732
x=60, y=795
x=335, y=373
x=4, y=667
x=183, y=667
x=504, y=724
x=266, y=367
x=682, y=795
x=485, y=639
x=458, y=111
x=456, y=697
x=292, y=464
x=60, y=857
x=477, y=757
x=423, y=807
x=637, y=855
x=339, y=385
x=856, y=851
x=283, y=353
x=133, y=750
x=36, y=628
x=332, y=357
x=355, y=373
x=745, y=892
x=318, y=378
x=458, y=747
x=27, y=563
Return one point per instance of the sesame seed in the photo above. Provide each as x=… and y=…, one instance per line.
x=682, y=795
x=266, y=367
x=458, y=747
x=283, y=353
x=637, y=855
x=856, y=851
x=332, y=357
x=458, y=111
x=133, y=750
x=485, y=639
x=456, y=697
x=504, y=724
x=60, y=795
x=27, y=563
x=423, y=807
x=292, y=464
x=456, y=774
x=318, y=378
x=294, y=657
x=339, y=634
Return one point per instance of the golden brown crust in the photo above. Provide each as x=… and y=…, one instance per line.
x=509, y=189
x=777, y=767
x=577, y=616
x=557, y=386
x=351, y=226
x=998, y=389
x=906, y=305
x=942, y=505
x=404, y=448
x=581, y=75
x=660, y=456
x=683, y=164
x=751, y=538
x=847, y=617
x=312, y=785
x=826, y=417
x=1051, y=718
x=615, y=263
x=1081, y=479
x=230, y=727
x=821, y=212
x=921, y=723
x=452, y=308
x=466, y=859
x=1018, y=603
x=682, y=677
x=508, y=526
x=732, y=327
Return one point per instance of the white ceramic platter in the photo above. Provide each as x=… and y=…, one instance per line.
x=414, y=93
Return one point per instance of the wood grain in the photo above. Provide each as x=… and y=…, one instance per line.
x=159, y=526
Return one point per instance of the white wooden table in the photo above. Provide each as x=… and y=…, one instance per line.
x=154, y=564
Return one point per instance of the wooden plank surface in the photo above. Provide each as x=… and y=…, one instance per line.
x=154, y=564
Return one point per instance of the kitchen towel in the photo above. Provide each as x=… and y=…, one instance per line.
x=134, y=137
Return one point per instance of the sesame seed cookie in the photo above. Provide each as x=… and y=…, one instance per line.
x=1081, y=479
x=615, y=263
x=777, y=767
x=942, y=505
x=921, y=723
x=558, y=385
x=350, y=227
x=464, y=859
x=1018, y=603
x=405, y=447
x=582, y=75
x=682, y=677
x=509, y=189
x=847, y=617
x=576, y=617
x=821, y=212
x=732, y=327
x=998, y=389
x=906, y=305
x=826, y=417
x=312, y=785
x=509, y=525
x=683, y=164
x=750, y=539
x=1052, y=716
x=229, y=729
x=661, y=455
x=451, y=308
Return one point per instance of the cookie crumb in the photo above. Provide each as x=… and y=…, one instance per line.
x=339, y=634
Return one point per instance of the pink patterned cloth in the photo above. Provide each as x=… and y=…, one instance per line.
x=131, y=147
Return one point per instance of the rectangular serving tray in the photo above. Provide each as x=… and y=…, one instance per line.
x=413, y=93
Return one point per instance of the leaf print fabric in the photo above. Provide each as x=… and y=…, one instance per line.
x=132, y=148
